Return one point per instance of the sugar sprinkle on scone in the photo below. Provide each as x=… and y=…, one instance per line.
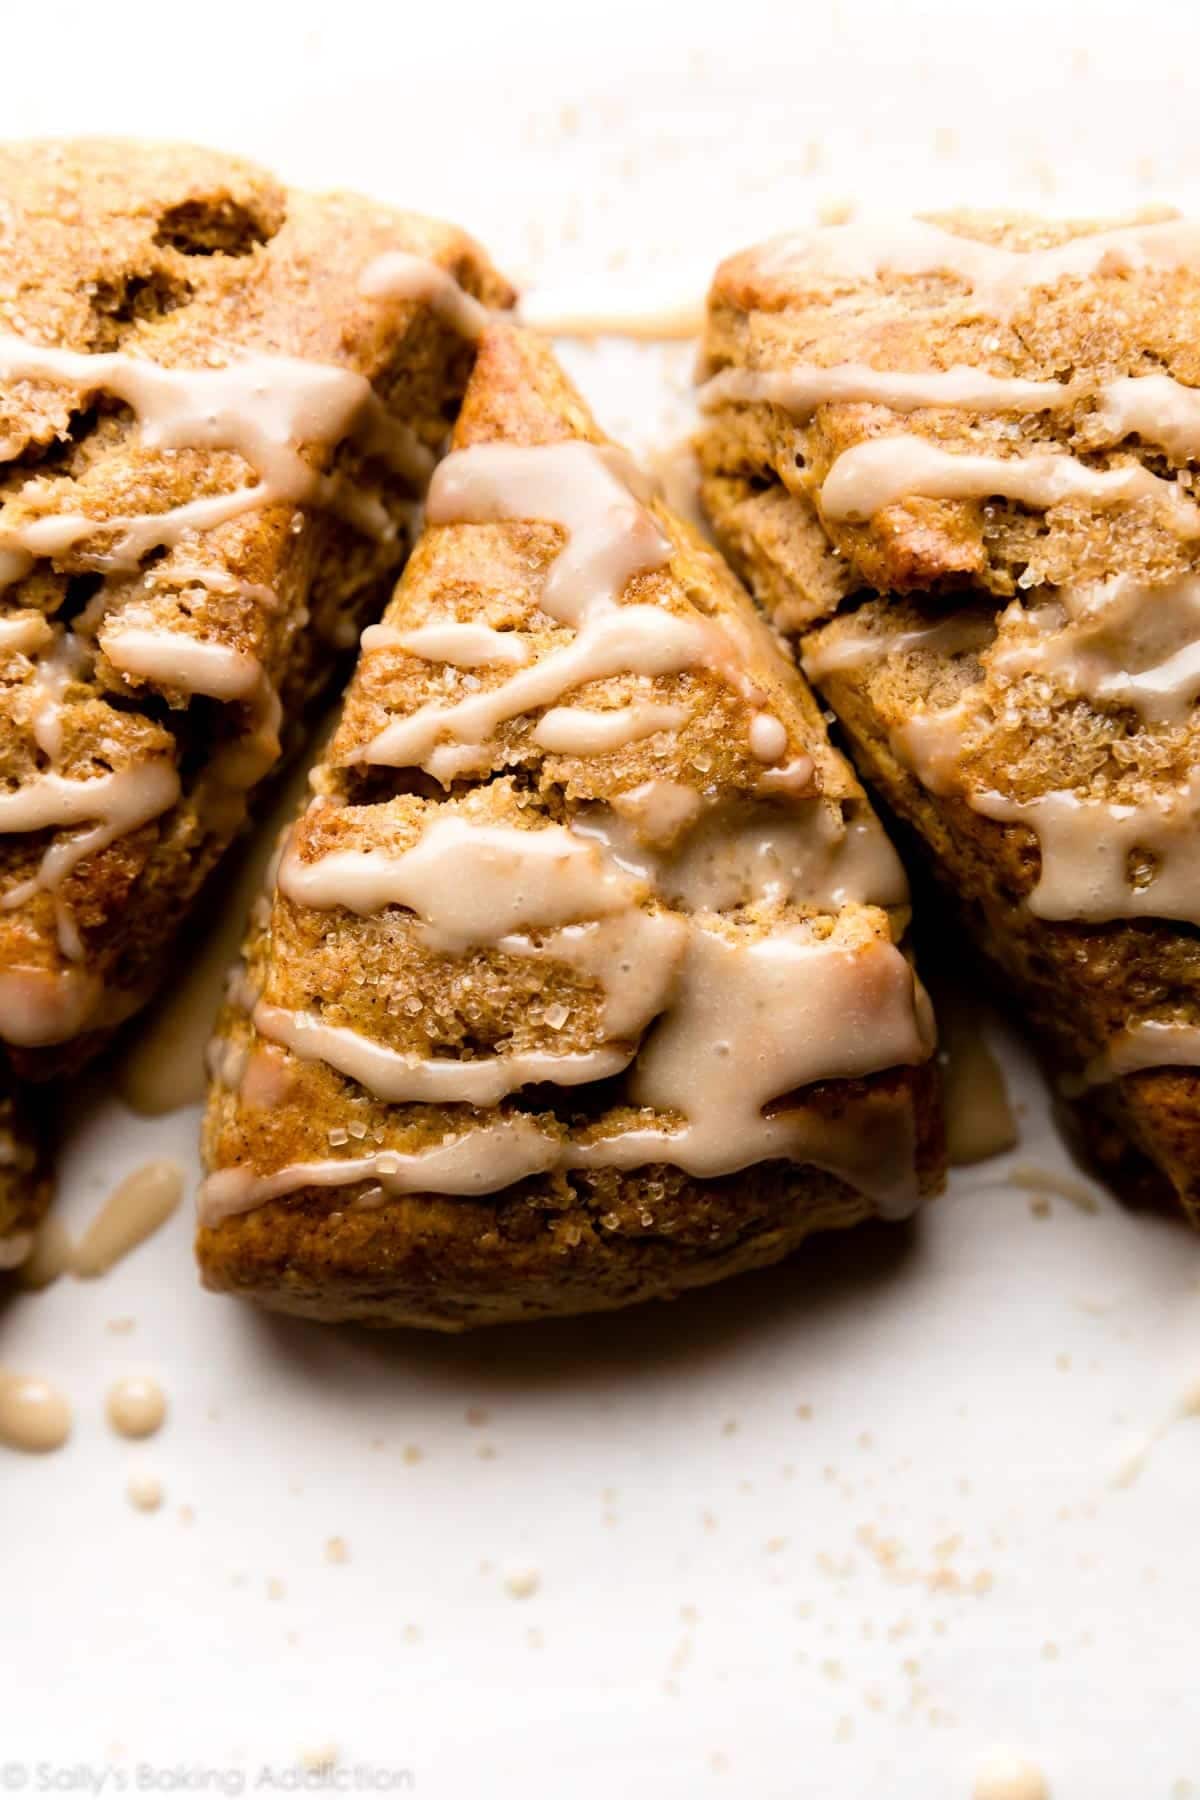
x=580, y=981
x=218, y=402
x=993, y=425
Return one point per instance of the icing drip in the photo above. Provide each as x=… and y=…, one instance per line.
x=469, y=883
x=634, y=957
x=594, y=494
x=754, y=1022
x=999, y=280
x=40, y=1006
x=23, y=634
x=461, y=645
x=397, y=275
x=580, y=731
x=1150, y=1044
x=393, y=1076
x=262, y=407
x=119, y=803
x=638, y=640
x=174, y=659
x=1120, y=644
x=956, y=635
x=741, y=855
x=480, y=1161
x=1156, y=408
x=135, y=1209
x=803, y=387
x=1090, y=848
x=885, y=471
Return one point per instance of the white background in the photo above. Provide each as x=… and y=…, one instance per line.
x=709, y=1617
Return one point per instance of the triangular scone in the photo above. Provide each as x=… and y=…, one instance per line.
x=579, y=983
x=218, y=400
x=24, y=1181
x=997, y=432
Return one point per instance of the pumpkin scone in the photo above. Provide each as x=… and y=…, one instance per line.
x=24, y=1180
x=218, y=402
x=580, y=980
x=969, y=444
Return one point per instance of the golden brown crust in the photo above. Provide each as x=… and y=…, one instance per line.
x=564, y=1242
x=188, y=259
x=548, y=1248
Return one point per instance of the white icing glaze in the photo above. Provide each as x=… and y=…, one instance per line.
x=768, y=738
x=462, y=644
x=1087, y=845
x=755, y=1021
x=952, y=636
x=174, y=659
x=119, y=802
x=639, y=640
x=582, y=731
x=884, y=471
x=24, y=633
x=593, y=492
x=263, y=407
x=393, y=1076
x=634, y=956
x=999, y=280
x=803, y=387
x=478, y=1161
x=930, y=744
x=470, y=883
x=1148, y=1044
x=398, y=275
x=739, y=855
x=1121, y=643
x=659, y=810
x=1157, y=408
x=43, y=1006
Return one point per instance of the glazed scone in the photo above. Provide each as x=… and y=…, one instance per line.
x=218, y=401
x=582, y=891
x=24, y=1180
x=993, y=425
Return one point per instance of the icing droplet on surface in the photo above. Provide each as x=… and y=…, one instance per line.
x=1003, y=1775
x=34, y=1415
x=136, y=1406
x=133, y=1211
x=144, y=1491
